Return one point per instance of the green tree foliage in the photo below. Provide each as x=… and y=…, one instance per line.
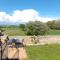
x=36, y=28
x=1, y=29
x=22, y=26
x=55, y=24
x=51, y=24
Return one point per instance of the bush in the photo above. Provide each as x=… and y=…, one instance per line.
x=55, y=24
x=36, y=28
x=22, y=26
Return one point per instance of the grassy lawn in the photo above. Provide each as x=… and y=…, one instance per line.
x=46, y=52
x=54, y=32
x=14, y=32
x=18, y=32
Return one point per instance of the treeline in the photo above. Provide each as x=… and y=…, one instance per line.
x=40, y=28
x=55, y=24
x=8, y=26
x=36, y=27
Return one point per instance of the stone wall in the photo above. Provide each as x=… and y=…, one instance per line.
x=38, y=39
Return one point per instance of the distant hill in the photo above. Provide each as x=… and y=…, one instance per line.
x=10, y=23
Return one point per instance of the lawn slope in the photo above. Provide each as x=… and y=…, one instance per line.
x=46, y=52
x=14, y=32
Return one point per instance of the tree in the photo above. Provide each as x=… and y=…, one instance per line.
x=51, y=24
x=36, y=28
x=55, y=24
x=22, y=26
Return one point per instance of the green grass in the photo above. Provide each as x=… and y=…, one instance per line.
x=54, y=32
x=14, y=32
x=46, y=52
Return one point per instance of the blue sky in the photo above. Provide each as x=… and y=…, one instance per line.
x=46, y=8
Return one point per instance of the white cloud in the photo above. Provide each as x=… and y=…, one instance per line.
x=23, y=16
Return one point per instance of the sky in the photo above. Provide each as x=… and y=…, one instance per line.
x=20, y=11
